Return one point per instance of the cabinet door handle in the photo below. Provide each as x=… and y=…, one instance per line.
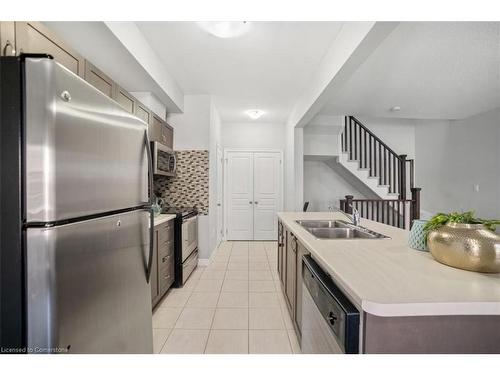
x=250, y=202
x=255, y=202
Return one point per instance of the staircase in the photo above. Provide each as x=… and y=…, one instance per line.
x=388, y=175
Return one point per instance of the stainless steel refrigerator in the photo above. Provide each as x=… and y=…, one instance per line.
x=76, y=221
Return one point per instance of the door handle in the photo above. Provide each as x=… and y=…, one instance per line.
x=250, y=202
x=255, y=202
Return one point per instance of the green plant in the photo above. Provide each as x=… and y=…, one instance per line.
x=441, y=219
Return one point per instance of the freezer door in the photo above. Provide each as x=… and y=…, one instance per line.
x=85, y=155
x=86, y=286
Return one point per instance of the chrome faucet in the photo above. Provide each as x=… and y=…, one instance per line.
x=355, y=217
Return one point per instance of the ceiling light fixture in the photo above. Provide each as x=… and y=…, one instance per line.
x=224, y=29
x=254, y=114
x=396, y=109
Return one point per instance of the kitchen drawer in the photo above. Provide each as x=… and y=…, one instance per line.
x=165, y=248
x=165, y=232
x=165, y=272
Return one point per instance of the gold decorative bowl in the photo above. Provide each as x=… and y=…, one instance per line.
x=470, y=247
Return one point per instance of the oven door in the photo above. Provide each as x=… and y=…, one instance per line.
x=164, y=161
x=189, y=236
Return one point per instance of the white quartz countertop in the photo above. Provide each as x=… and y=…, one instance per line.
x=162, y=218
x=386, y=277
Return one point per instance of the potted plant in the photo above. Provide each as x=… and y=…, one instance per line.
x=463, y=241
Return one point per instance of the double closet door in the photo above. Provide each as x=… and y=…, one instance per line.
x=253, y=195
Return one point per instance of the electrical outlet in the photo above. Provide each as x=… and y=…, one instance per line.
x=476, y=188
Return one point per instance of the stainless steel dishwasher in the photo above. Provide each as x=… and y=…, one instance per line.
x=330, y=322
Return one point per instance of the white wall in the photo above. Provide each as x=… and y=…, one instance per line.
x=253, y=135
x=192, y=128
x=324, y=187
x=321, y=140
x=199, y=128
x=452, y=157
x=397, y=133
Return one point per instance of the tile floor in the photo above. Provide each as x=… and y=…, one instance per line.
x=232, y=306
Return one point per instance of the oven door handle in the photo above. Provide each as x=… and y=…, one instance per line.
x=149, y=265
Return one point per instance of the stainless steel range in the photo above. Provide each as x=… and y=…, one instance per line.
x=185, y=242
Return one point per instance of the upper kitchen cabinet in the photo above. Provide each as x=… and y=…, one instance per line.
x=143, y=112
x=125, y=99
x=99, y=80
x=160, y=131
x=33, y=37
x=7, y=39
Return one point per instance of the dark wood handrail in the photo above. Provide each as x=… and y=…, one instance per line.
x=374, y=136
x=396, y=212
x=373, y=154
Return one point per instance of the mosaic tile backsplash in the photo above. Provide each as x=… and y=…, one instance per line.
x=189, y=188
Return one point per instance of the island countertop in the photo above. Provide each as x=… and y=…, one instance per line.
x=386, y=277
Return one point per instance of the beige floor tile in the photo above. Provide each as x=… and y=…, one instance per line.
x=236, y=275
x=166, y=317
x=190, y=283
x=260, y=275
x=266, y=319
x=286, y=317
x=175, y=298
x=235, y=286
x=160, y=335
x=275, y=274
x=269, y=342
x=196, y=274
x=237, y=259
x=227, y=342
x=208, y=285
x=230, y=319
x=264, y=300
x=258, y=265
x=186, y=341
x=216, y=266
x=220, y=258
x=195, y=318
x=294, y=342
x=237, y=266
x=262, y=286
x=240, y=245
x=233, y=300
x=213, y=274
x=225, y=246
x=203, y=299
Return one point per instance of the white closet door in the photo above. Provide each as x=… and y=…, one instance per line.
x=240, y=195
x=267, y=194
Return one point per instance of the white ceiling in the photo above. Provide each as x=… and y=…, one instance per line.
x=432, y=70
x=267, y=68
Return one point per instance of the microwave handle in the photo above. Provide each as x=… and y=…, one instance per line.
x=175, y=163
x=149, y=265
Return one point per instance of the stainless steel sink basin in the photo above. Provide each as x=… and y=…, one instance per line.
x=338, y=230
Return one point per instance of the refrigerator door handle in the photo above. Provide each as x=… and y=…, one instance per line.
x=150, y=203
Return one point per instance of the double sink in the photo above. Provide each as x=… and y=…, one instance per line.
x=338, y=230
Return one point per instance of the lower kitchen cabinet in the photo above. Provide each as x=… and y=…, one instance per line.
x=290, y=253
x=162, y=269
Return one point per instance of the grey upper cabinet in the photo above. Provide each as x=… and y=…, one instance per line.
x=33, y=37
x=7, y=39
x=142, y=112
x=160, y=131
x=125, y=99
x=99, y=80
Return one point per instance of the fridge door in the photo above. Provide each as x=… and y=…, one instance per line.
x=86, y=286
x=85, y=155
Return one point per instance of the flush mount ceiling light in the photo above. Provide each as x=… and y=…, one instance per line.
x=254, y=114
x=225, y=29
x=396, y=109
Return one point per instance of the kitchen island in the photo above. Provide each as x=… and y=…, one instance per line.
x=409, y=303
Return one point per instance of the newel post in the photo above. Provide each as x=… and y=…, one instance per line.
x=415, y=203
x=348, y=204
x=402, y=177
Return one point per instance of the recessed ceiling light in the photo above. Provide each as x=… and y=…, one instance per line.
x=254, y=114
x=396, y=109
x=224, y=29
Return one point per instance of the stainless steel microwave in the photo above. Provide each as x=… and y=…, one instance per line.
x=164, y=160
